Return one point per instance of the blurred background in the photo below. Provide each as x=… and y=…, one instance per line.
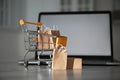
x=11, y=11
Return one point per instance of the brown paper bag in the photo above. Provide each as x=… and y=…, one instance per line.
x=52, y=39
x=47, y=42
x=59, y=60
x=61, y=40
x=43, y=40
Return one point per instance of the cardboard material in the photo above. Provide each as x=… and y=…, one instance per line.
x=74, y=63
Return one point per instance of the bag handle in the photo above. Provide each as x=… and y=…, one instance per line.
x=60, y=47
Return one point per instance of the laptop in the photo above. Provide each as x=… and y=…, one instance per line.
x=89, y=34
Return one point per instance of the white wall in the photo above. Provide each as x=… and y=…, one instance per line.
x=11, y=46
x=33, y=7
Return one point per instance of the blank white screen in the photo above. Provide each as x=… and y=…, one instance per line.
x=88, y=34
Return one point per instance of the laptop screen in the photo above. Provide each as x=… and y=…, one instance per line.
x=89, y=33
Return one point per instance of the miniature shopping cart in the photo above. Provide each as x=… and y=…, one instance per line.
x=39, y=41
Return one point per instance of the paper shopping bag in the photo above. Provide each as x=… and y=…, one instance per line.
x=47, y=41
x=55, y=34
x=43, y=40
x=61, y=40
x=59, y=60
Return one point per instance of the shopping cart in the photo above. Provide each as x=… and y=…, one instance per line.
x=32, y=42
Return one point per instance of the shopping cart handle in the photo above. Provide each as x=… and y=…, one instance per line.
x=23, y=22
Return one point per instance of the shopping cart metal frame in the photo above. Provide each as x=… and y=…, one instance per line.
x=31, y=45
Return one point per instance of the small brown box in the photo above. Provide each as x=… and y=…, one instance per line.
x=74, y=63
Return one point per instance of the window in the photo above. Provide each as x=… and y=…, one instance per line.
x=10, y=13
x=4, y=11
x=77, y=5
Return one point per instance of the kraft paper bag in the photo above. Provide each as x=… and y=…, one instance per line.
x=61, y=40
x=55, y=33
x=47, y=42
x=43, y=40
x=59, y=60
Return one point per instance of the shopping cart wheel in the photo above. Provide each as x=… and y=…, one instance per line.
x=26, y=64
x=38, y=63
x=49, y=65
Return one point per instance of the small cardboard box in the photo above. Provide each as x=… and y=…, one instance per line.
x=74, y=63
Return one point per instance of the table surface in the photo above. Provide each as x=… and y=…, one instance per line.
x=14, y=71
